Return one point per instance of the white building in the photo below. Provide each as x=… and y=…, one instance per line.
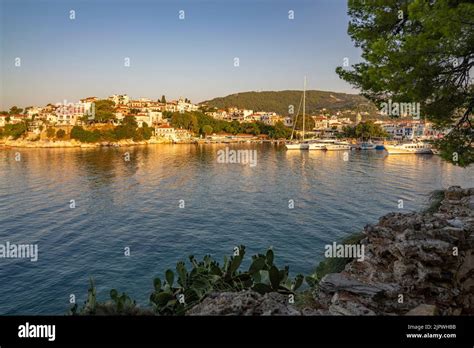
x=120, y=99
x=33, y=111
x=3, y=120
x=165, y=131
x=183, y=106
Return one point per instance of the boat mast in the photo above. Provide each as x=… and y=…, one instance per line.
x=304, y=102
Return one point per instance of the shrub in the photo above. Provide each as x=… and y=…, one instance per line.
x=60, y=134
x=83, y=135
x=50, y=132
x=15, y=130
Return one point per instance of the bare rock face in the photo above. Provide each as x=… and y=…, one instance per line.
x=415, y=264
x=244, y=303
x=424, y=309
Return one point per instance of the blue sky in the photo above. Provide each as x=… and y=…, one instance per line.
x=194, y=58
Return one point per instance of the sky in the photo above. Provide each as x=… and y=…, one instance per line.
x=68, y=59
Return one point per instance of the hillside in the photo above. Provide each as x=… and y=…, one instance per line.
x=279, y=101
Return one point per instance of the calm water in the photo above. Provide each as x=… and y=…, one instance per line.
x=135, y=204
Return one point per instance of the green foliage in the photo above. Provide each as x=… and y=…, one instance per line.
x=365, y=130
x=143, y=133
x=279, y=131
x=207, y=276
x=206, y=129
x=280, y=101
x=196, y=120
x=83, y=135
x=60, y=134
x=167, y=114
x=117, y=305
x=128, y=129
x=185, y=120
x=15, y=130
x=418, y=51
x=457, y=147
x=14, y=110
x=185, y=287
x=50, y=132
x=104, y=111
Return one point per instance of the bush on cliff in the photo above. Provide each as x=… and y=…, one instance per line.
x=60, y=134
x=15, y=130
x=50, y=132
x=85, y=136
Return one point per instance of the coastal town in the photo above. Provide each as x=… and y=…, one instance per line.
x=63, y=124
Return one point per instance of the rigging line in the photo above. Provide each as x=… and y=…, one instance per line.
x=296, y=118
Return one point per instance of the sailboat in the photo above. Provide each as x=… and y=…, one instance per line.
x=299, y=145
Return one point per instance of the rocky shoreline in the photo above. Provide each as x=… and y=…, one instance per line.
x=419, y=263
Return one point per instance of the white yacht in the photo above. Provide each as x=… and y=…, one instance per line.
x=338, y=146
x=320, y=144
x=409, y=148
x=297, y=146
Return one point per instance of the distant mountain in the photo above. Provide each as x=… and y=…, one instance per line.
x=279, y=101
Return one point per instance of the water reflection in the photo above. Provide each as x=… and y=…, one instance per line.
x=135, y=203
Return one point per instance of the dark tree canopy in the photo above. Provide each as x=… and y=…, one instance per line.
x=104, y=110
x=419, y=51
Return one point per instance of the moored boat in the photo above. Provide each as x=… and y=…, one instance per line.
x=297, y=146
x=338, y=146
x=320, y=144
x=367, y=145
x=409, y=148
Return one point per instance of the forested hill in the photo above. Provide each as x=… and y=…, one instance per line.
x=279, y=101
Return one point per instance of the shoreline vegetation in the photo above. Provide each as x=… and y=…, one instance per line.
x=418, y=263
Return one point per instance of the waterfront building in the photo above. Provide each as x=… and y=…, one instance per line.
x=165, y=131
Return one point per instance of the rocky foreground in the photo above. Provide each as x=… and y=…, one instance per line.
x=415, y=264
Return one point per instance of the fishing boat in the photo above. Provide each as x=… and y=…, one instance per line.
x=338, y=146
x=409, y=148
x=299, y=145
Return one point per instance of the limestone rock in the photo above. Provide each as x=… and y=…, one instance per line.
x=338, y=281
x=426, y=257
x=423, y=309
